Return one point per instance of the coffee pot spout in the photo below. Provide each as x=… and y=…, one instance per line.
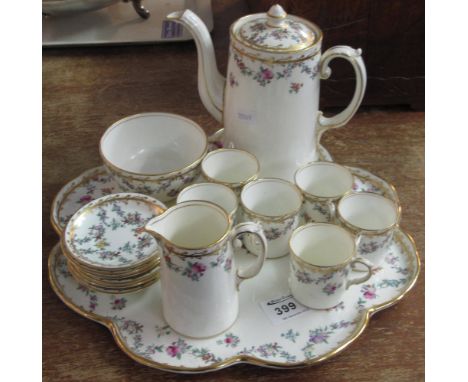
x=210, y=81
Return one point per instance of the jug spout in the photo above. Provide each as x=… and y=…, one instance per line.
x=155, y=228
x=210, y=81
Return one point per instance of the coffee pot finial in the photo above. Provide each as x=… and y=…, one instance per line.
x=276, y=15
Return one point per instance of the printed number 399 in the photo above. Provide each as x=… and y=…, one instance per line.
x=285, y=308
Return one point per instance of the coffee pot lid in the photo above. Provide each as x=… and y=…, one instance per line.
x=276, y=31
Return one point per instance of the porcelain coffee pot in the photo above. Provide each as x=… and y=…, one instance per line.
x=269, y=103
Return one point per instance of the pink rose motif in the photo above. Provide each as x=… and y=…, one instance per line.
x=230, y=340
x=172, y=350
x=369, y=292
x=267, y=74
x=198, y=268
x=295, y=87
x=85, y=199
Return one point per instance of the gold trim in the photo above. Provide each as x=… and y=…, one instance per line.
x=241, y=358
x=272, y=61
x=228, y=184
x=155, y=256
x=271, y=218
x=112, y=290
x=295, y=47
x=242, y=20
x=292, y=48
x=151, y=263
x=151, y=179
x=370, y=232
x=120, y=278
x=276, y=17
x=322, y=268
x=165, y=241
x=139, y=283
x=127, y=173
x=308, y=195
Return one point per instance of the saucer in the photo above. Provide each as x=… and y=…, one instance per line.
x=88, y=186
x=365, y=181
x=97, y=182
x=306, y=337
x=117, y=288
x=107, y=233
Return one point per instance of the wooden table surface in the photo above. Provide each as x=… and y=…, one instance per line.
x=86, y=89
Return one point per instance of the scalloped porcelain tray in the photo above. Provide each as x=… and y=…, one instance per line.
x=139, y=329
x=308, y=338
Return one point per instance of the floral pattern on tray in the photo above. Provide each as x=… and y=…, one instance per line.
x=305, y=339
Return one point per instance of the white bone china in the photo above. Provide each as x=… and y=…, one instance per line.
x=373, y=218
x=269, y=102
x=231, y=167
x=199, y=276
x=321, y=259
x=275, y=204
x=216, y=193
x=156, y=154
x=322, y=184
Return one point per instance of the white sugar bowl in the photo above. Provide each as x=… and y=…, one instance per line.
x=156, y=154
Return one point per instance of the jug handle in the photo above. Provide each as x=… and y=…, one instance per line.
x=254, y=268
x=355, y=59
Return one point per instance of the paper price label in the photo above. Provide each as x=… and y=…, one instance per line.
x=247, y=117
x=282, y=309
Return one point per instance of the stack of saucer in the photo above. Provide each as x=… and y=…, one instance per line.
x=106, y=246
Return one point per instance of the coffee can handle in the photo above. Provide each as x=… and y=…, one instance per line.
x=332, y=211
x=355, y=59
x=361, y=279
x=254, y=268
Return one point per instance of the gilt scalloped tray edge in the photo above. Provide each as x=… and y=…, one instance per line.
x=240, y=358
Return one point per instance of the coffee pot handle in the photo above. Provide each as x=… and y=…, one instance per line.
x=355, y=59
x=254, y=268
